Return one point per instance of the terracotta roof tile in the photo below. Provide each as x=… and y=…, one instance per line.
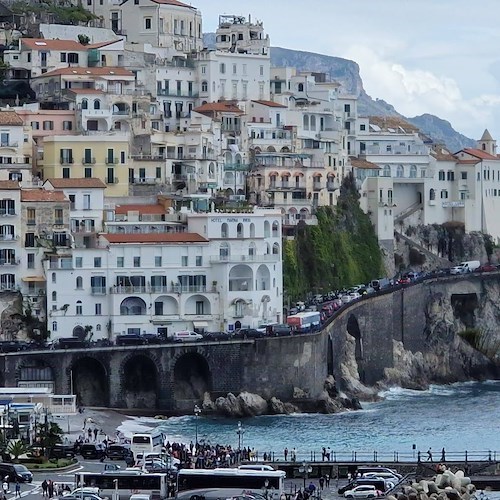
x=100, y=45
x=478, y=153
x=468, y=162
x=10, y=118
x=90, y=182
x=174, y=2
x=98, y=71
x=42, y=195
x=49, y=44
x=154, y=238
x=441, y=153
x=142, y=209
x=218, y=107
x=270, y=104
x=362, y=163
x=9, y=185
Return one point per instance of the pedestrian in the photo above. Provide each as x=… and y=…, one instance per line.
x=327, y=480
x=95, y=434
x=321, y=482
x=285, y=453
x=311, y=488
x=5, y=486
x=45, y=486
x=89, y=432
x=443, y=455
x=18, y=489
x=299, y=495
x=50, y=488
x=429, y=455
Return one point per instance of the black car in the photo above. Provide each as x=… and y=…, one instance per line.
x=62, y=451
x=13, y=346
x=96, y=450
x=119, y=452
x=130, y=339
x=153, y=338
x=16, y=472
x=248, y=333
x=216, y=336
x=70, y=343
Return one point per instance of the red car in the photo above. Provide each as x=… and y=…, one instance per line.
x=487, y=268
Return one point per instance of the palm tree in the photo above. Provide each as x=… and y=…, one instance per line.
x=16, y=448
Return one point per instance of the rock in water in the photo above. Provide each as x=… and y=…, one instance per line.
x=228, y=406
x=252, y=404
x=208, y=405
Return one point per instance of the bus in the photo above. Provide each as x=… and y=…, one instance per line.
x=125, y=483
x=147, y=442
x=269, y=483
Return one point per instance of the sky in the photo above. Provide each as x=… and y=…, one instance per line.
x=422, y=56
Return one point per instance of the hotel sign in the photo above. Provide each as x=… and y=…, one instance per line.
x=453, y=204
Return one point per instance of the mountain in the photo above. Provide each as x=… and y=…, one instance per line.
x=346, y=72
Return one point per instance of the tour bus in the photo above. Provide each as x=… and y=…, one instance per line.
x=147, y=442
x=125, y=483
x=269, y=483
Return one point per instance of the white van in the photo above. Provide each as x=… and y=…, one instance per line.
x=186, y=336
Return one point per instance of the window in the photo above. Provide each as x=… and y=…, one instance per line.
x=29, y=240
x=79, y=308
x=387, y=171
x=58, y=216
x=87, y=172
x=123, y=157
x=85, y=104
x=73, y=58
x=97, y=261
x=98, y=326
x=63, y=56
x=204, y=70
x=65, y=155
x=441, y=175
x=158, y=261
x=48, y=125
x=137, y=262
x=67, y=125
x=35, y=125
x=78, y=262
x=400, y=172
x=184, y=261
x=66, y=173
x=30, y=216
x=464, y=176
x=413, y=171
x=224, y=231
x=222, y=68
x=450, y=175
x=444, y=194
x=120, y=262
x=79, y=282
x=235, y=68
x=199, y=261
x=362, y=127
x=204, y=86
x=147, y=23
x=97, y=104
x=98, y=309
x=200, y=307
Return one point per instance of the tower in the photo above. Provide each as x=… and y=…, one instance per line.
x=487, y=143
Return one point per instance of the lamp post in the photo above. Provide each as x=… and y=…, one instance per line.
x=197, y=411
x=305, y=469
x=240, y=431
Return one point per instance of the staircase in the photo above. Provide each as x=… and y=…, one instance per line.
x=407, y=212
x=439, y=260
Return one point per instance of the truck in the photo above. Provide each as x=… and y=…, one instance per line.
x=380, y=283
x=465, y=267
x=304, y=321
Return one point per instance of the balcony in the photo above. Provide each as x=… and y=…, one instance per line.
x=145, y=180
x=8, y=144
x=111, y=161
x=98, y=290
x=62, y=264
x=331, y=186
x=217, y=259
x=128, y=289
x=8, y=237
x=66, y=161
x=317, y=186
x=113, y=180
x=10, y=262
x=88, y=161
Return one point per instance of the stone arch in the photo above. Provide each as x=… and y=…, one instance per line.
x=240, y=278
x=262, y=278
x=79, y=332
x=329, y=358
x=354, y=331
x=197, y=305
x=168, y=305
x=90, y=382
x=140, y=381
x=132, y=306
x=192, y=378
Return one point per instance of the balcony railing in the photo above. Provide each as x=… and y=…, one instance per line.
x=88, y=161
x=66, y=161
x=244, y=258
x=8, y=237
x=99, y=290
x=8, y=144
x=111, y=161
x=173, y=288
x=317, y=186
x=112, y=180
x=10, y=262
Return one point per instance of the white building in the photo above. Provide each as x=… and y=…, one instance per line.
x=224, y=273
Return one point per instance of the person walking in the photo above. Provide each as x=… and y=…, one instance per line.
x=327, y=480
x=285, y=453
x=429, y=455
x=321, y=482
x=50, y=488
x=18, y=489
x=443, y=455
x=5, y=485
x=45, y=487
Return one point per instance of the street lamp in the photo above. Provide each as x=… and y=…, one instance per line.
x=240, y=431
x=305, y=469
x=197, y=411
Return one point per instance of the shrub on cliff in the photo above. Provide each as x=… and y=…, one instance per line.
x=341, y=250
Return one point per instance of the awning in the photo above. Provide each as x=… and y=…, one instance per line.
x=200, y=324
x=34, y=279
x=298, y=174
x=271, y=174
x=317, y=174
x=285, y=174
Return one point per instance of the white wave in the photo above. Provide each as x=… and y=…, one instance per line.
x=129, y=427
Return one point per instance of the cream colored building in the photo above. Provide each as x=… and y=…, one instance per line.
x=104, y=157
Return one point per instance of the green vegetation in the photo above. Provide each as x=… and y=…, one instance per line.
x=472, y=336
x=63, y=14
x=342, y=250
x=51, y=464
x=16, y=448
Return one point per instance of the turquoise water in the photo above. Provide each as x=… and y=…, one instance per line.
x=458, y=417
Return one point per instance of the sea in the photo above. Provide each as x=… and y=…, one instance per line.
x=458, y=417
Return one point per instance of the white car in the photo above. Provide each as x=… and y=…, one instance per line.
x=364, y=491
x=382, y=475
x=346, y=298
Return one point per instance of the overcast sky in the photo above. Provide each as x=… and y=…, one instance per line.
x=422, y=56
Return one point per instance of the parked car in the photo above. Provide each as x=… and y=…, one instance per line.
x=130, y=339
x=16, y=472
x=216, y=336
x=363, y=491
x=485, y=268
x=95, y=450
x=153, y=338
x=13, y=346
x=248, y=333
x=186, y=336
x=70, y=343
x=119, y=452
x=62, y=451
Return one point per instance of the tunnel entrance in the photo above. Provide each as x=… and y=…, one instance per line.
x=140, y=383
x=90, y=382
x=192, y=378
x=329, y=361
x=464, y=308
x=353, y=330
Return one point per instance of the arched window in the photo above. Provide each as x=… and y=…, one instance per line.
x=54, y=296
x=432, y=194
x=300, y=87
x=239, y=230
x=400, y=172
x=204, y=86
x=54, y=326
x=97, y=104
x=306, y=122
x=85, y=104
x=79, y=308
x=224, y=251
x=267, y=229
x=252, y=230
x=224, y=231
x=276, y=249
x=252, y=250
x=413, y=171
x=387, y=171
x=53, y=277
x=98, y=327
x=79, y=283
x=276, y=227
